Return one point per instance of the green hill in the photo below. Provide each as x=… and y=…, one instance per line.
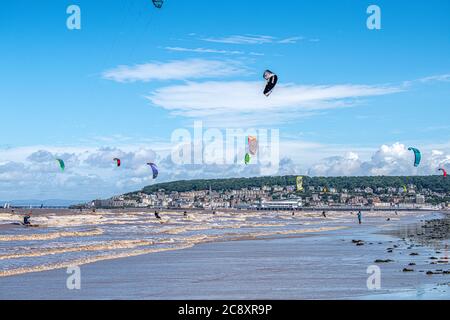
x=433, y=183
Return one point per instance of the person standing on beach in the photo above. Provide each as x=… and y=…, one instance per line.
x=324, y=214
x=360, y=217
x=157, y=215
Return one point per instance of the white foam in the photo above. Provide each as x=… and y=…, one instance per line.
x=51, y=236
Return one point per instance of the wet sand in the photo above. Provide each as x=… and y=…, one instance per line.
x=325, y=265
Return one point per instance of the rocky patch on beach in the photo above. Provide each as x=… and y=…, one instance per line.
x=423, y=244
x=437, y=229
x=438, y=272
x=384, y=261
x=358, y=242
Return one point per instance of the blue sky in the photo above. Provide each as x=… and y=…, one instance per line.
x=134, y=74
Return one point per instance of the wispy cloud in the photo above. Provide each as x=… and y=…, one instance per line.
x=291, y=40
x=256, y=54
x=212, y=51
x=203, y=50
x=235, y=99
x=174, y=70
x=254, y=39
x=242, y=39
x=440, y=78
x=430, y=79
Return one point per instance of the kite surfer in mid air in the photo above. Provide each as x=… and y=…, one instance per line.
x=272, y=80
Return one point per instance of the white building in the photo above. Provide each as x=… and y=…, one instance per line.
x=420, y=199
x=281, y=205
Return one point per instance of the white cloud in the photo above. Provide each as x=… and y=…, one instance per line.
x=292, y=40
x=337, y=166
x=220, y=100
x=257, y=54
x=388, y=160
x=91, y=173
x=243, y=39
x=204, y=50
x=428, y=80
x=255, y=40
x=438, y=78
x=174, y=70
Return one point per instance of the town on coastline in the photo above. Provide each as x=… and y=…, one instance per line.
x=385, y=193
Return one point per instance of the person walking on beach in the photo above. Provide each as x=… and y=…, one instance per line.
x=157, y=215
x=360, y=217
x=324, y=214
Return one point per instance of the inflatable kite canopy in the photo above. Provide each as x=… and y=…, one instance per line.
x=272, y=80
x=417, y=155
x=154, y=169
x=247, y=159
x=253, y=145
x=158, y=3
x=300, y=184
x=61, y=163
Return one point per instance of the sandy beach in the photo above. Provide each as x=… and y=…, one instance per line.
x=233, y=255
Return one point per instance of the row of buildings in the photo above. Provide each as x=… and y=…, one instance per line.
x=279, y=198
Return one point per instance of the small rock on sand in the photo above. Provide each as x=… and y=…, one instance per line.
x=384, y=261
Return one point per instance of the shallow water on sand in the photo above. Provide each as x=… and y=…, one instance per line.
x=240, y=255
x=75, y=238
